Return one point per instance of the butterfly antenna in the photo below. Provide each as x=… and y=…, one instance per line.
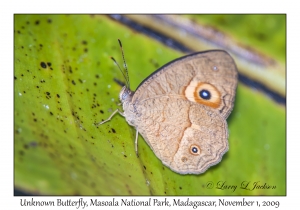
x=127, y=84
x=125, y=65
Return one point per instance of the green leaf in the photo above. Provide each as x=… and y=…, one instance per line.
x=64, y=84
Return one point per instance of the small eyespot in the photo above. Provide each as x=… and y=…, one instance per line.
x=195, y=149
x=205, y=94
x=215, y=68
x=183, y=159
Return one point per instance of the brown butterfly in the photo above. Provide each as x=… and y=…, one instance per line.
x=181, y=109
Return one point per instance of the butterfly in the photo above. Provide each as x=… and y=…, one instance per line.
x=181, y=109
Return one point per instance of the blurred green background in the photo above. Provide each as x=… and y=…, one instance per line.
x=266, y=33
x=63, y=84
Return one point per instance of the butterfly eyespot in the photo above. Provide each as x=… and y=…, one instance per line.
x=184, y=159
x=215, y=68
x=195, y=149
x=205, y=94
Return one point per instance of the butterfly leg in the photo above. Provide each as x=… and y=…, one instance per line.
x=136, y=142
x=108, y=119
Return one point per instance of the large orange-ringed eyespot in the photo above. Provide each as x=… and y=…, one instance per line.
x=203, y=93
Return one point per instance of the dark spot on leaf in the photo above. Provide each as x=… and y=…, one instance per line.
x=49, y=64
x=43, y=65
x=73, y=82
x=37, y=87
x=25, y=146
x=41, y=45
x=145, y=167
x=57, y=96
x=15, y=77
x=51, y=113
x=101, y=111
x=49, y=21
x=33, y=144
x=48, y=93
x=84, y=42
x=21, y=152
x=35, y=120
x=95, y=84
x=80, y=80
x=125, y=156
x=97, y=76
x=113, y=130
x=180, y=188
x=87, y=90
x=85, y=49
x=37, y=22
